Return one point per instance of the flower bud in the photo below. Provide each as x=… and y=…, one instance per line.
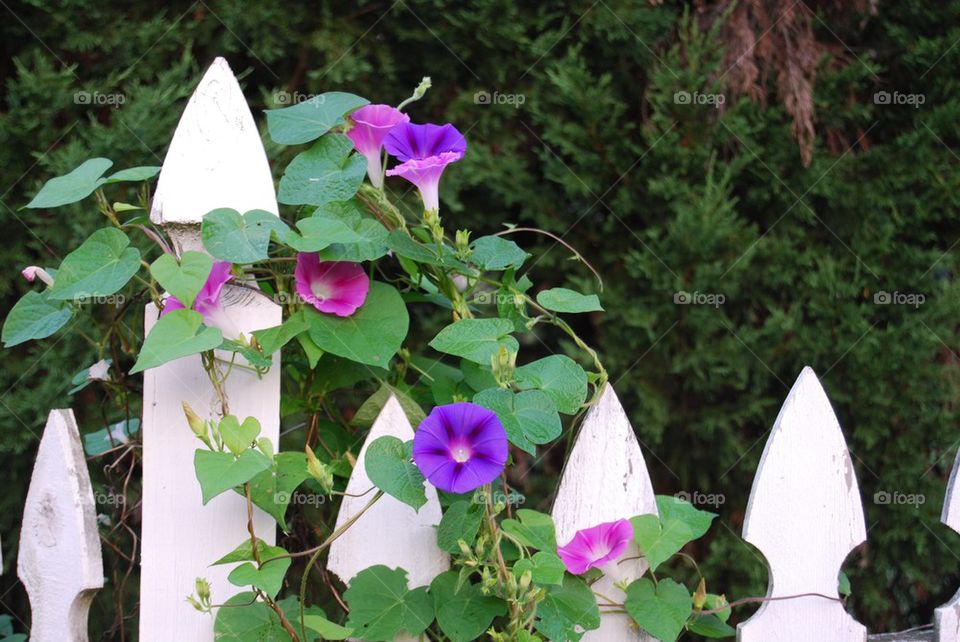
x=462, y=244
x=319, y=471
x=503, y=364
x=197, y=425
x=525, y=578
x=32, y=272
x=700, y=595
x=422, y=88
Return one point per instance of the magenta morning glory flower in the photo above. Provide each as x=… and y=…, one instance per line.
x=460, y=447
x=207, y=302
x=424, y=151
x=334, y=287
x=371, y=124
x=593, y=547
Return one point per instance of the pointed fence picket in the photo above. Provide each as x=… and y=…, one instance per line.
x=804, y=514
x=215, y=160
x=60, y=561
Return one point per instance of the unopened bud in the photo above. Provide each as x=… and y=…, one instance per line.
x=462, y=244
x=422, y=88
x=503, y=364
x=525, y=578
x=197, y=425
x=700, y=595
x=319, y=471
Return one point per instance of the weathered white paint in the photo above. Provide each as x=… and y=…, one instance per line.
x=805, y=516
x=606, y=479
x=947, y=617
x=390, y=532
x=60, y=562
x=215, y=160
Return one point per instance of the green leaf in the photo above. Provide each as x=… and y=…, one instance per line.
x=242, y=553
x=312, y=118
x=659, y=538
x=272, y=339
x=100, y=441
x=185, y=279
x=545, y=567
x=568, y=610
x=477, y=340
x=461, y=520
x=368, y=412
x=402, y=245
x=272, y=489
x=312, y=351
x=533, y=529
x=268, y=578
x=388, y=466
x=218, y=471
x=236, y=436
x=99, y=267
x=530, y=417
x=134, y=174
x=34, y=316
x=477, y=376
x=253, y=356
x=564, y=300
x=843, y=585
x=239, y=239
x=710, y=626
x=176, y=334
x=660, y=610
x=560, y=377
x=495, y=253
x=372, y=335
x=245, y=619
x=381, y=605
x=326, y=172
x=326, y=629
x=75, y=186
x=339, y=231
x=463, y=614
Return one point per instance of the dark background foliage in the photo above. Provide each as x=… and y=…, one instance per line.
x=798, y=200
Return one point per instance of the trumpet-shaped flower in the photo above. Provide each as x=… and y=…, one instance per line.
x=370, y=125
x=208, y=303
x=424, y=151
x=333, y=287
x=596, y=546
x=460, y=447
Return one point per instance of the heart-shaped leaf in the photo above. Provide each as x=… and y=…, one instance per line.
x=34, y=316
x=230, y=236
x=312, y=118
x=183, y=280
x=239, y=436
x=99, y=267
x=218, y=472
x=72, y=187
x=389, y=467
x=268, y=578
x=177, y=334
x=328, y=171
x=660, y=610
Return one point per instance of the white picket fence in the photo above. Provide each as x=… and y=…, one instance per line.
x=805, y=513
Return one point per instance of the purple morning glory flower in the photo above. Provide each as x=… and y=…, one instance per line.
x=207, y=302
x=370, y=124
x=333, y=287
x=424, y=151
x=460, y=447
x=593, y=547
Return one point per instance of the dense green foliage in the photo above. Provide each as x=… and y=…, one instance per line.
x=660, y=197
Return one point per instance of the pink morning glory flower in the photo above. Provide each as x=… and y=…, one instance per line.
x=207, y=302
x=334, y=287
x=424, y=151
x=596, y=546
x=32, y=272
x=371, y=124
x=460, y=447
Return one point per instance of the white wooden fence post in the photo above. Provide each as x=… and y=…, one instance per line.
x=947, y=617
x=390, y=532
x=606, y=479
x=60, y=561
x=215, y=160
x=805, y=516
